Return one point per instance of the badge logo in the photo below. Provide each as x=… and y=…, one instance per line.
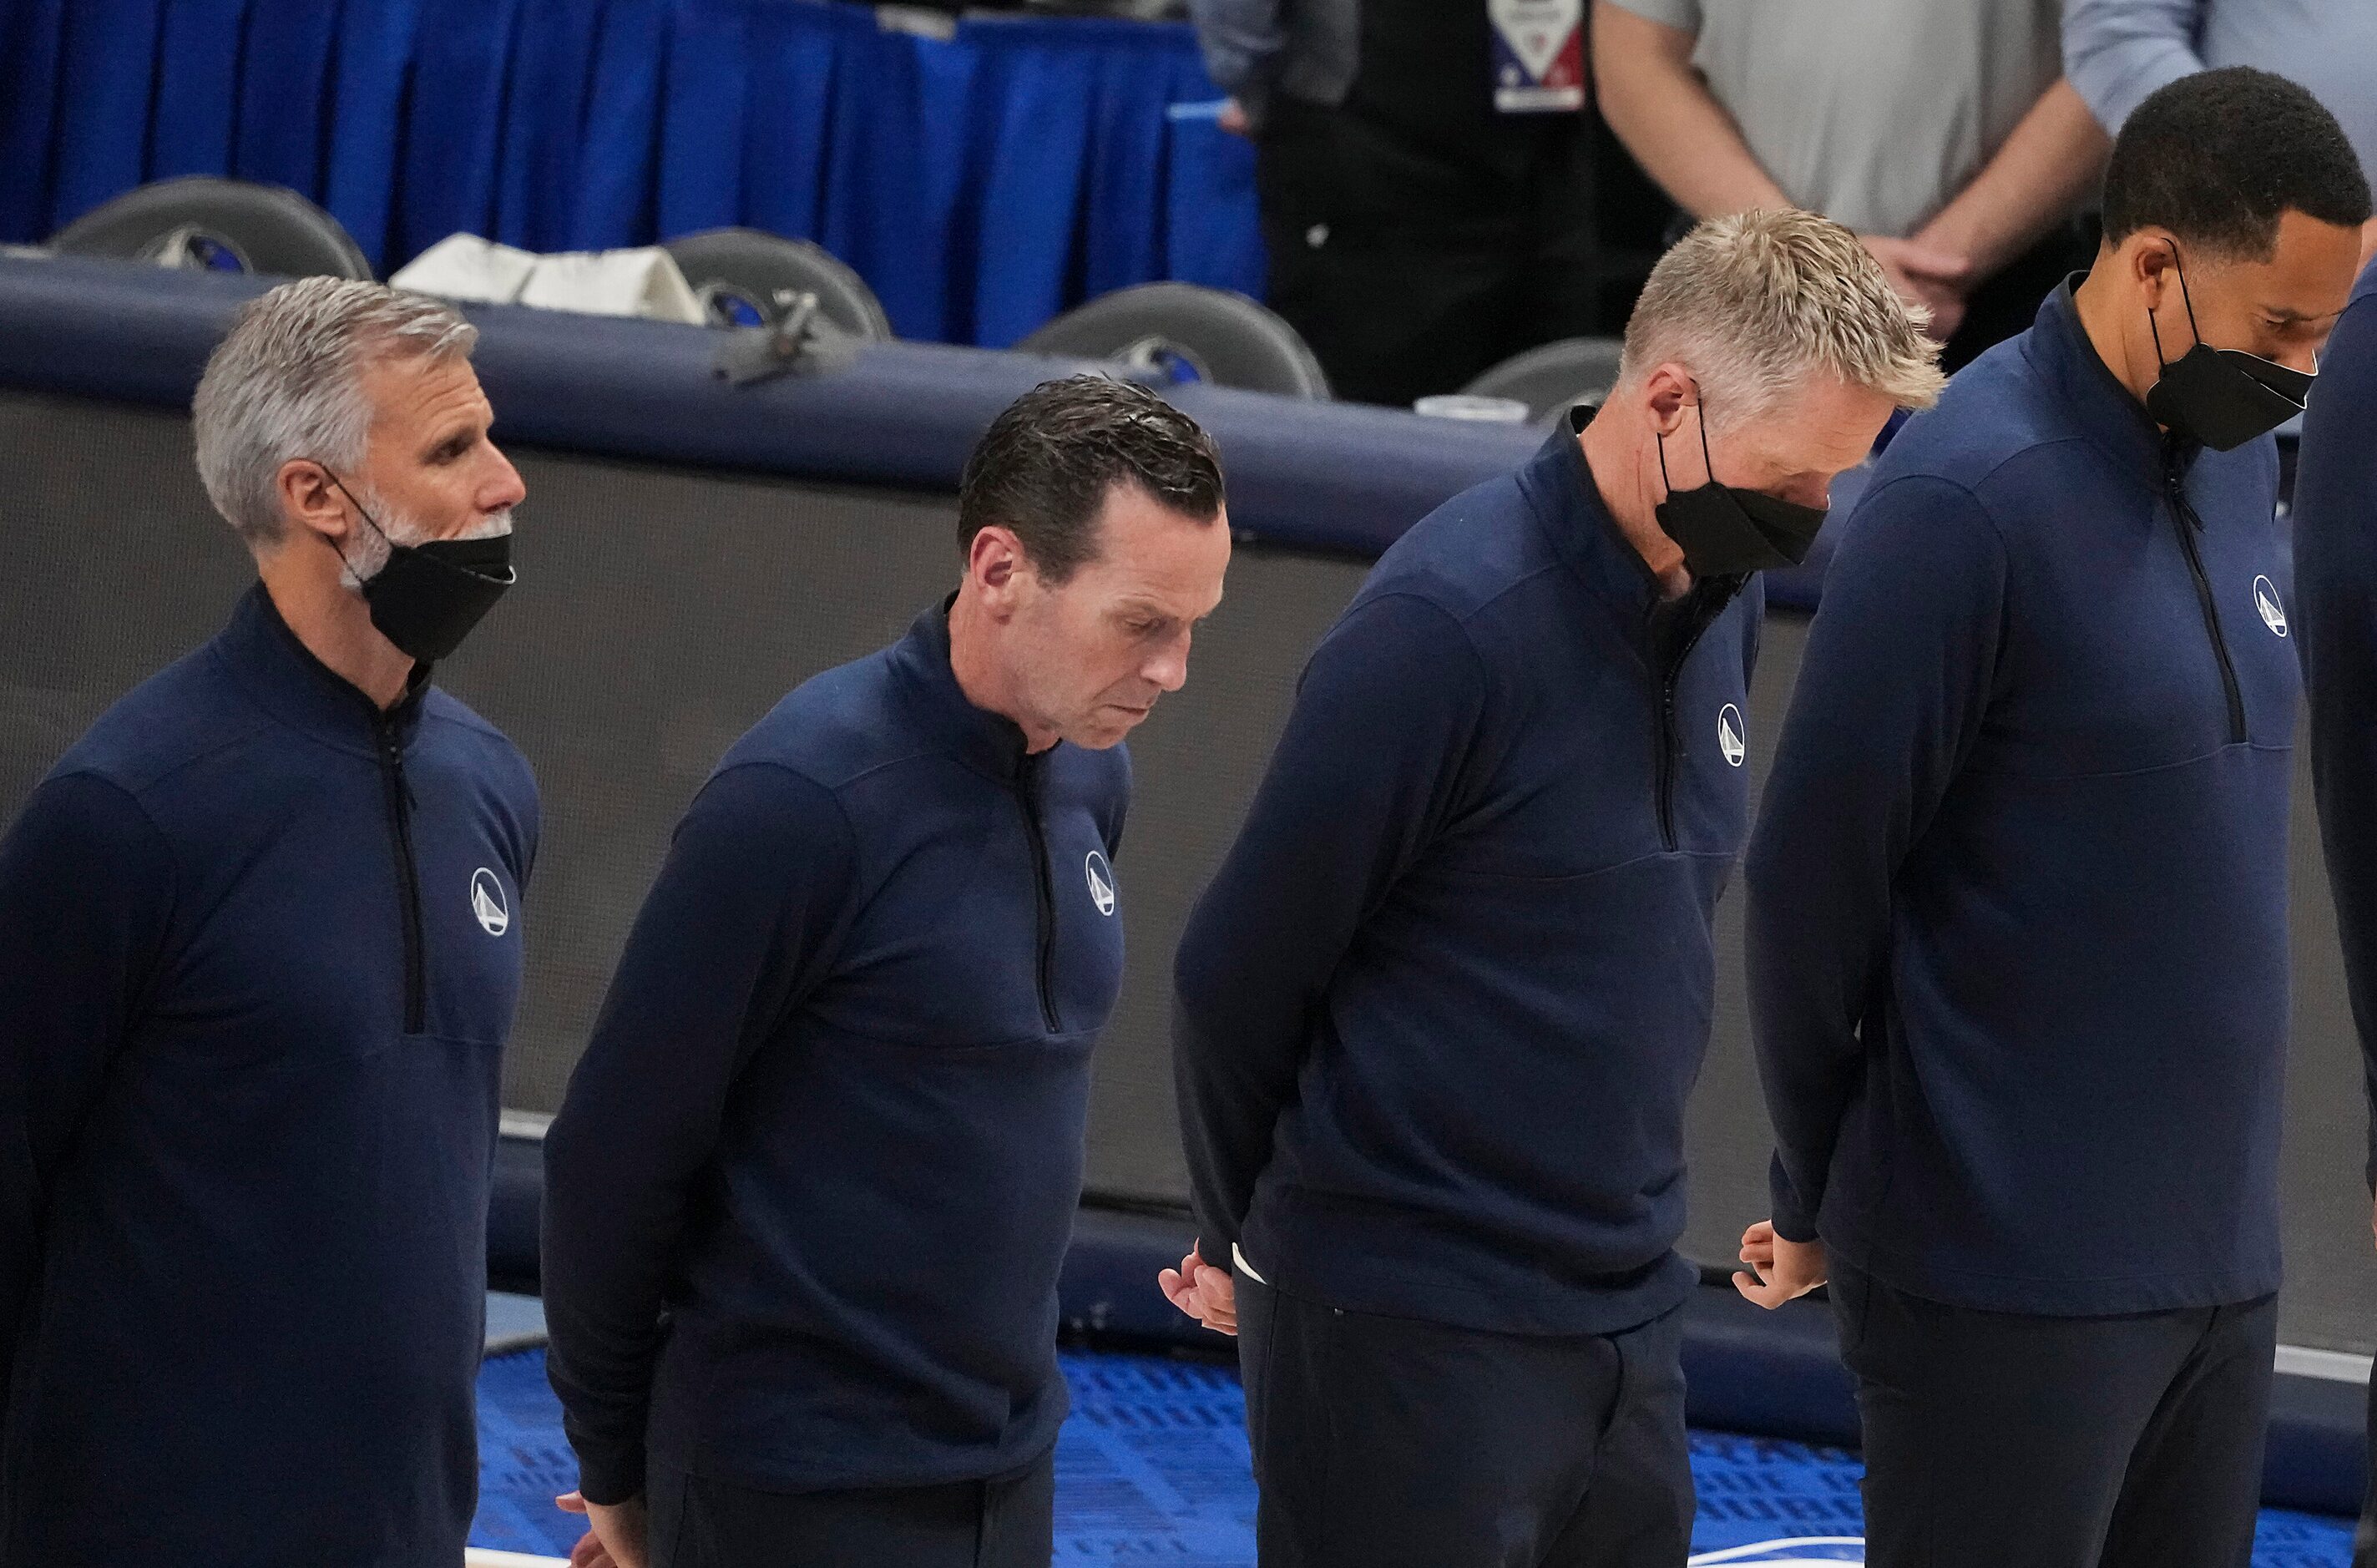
x=487, y=902
x=2265, y=599
x=1730, y=734
x=1102, y=882
x=1539, y=54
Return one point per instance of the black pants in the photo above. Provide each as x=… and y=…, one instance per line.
x=1384, y=1442
x=1997, y=1438
x=1006, y=1523
x=2364, y=1540
x=1411, y=271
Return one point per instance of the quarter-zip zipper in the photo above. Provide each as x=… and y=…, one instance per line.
x=1708, y=600
x=1027, y=795
x=408, y=874
x=2183, y=517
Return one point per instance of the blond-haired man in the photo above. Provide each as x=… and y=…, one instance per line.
x=1440, y=1009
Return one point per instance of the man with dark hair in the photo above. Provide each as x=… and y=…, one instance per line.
x=808, y=1191
x=2017, y=918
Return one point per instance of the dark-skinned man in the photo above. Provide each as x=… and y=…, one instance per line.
x=2017, y=903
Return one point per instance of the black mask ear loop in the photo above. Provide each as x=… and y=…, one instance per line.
x=1700, y=412
x=2188, y=302
x=369, y=521
x=360, y=512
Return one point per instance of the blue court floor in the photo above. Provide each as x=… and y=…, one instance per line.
x=1152, y=1468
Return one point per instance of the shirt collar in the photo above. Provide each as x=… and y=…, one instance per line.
x=987, y=742
x=2103, y=409
x=285, y=679
x=1567, y=505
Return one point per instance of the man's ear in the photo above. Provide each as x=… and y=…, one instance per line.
x=2153, y=264
x=1667, y=390
x=998, y=566
x=309, y=499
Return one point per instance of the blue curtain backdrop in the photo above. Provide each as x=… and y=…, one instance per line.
x=982, y=183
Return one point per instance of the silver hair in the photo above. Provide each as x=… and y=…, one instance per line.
x=1755, y=303
x=287, y=383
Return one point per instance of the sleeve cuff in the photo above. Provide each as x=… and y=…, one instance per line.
x=1217, y=1244
x=1793, y=1219
x=610, y=1476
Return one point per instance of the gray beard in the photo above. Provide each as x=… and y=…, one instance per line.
x=370, y=556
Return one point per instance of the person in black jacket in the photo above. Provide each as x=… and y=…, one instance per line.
x=1439, y=1009
x=810, y=1185
x=2017, y=898
x=1428, y=176
x=2335, y=633
x=259, y=946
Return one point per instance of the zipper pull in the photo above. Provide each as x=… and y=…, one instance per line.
x=2174, y=483
x=394, y=754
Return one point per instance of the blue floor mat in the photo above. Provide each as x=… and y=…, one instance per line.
x=1152, y=1466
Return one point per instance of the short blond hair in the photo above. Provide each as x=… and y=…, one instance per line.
x=1755, y=303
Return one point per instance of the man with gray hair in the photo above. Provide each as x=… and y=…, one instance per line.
x=1439, y=1011
x=259, y=946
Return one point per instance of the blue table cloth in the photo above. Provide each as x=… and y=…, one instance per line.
x=983, y=179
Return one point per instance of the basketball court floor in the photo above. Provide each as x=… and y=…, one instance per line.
x=1152, y=1467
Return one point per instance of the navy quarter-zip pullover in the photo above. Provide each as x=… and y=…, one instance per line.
x=1441, y=1006
x=2017, y=898
x=2335, y=632
x=259, y=947
x=810, y=1187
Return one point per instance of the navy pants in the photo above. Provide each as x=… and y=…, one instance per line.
x=1385, y=1443
x=1005, y=1523
x=2364, y=1540
x=1997, y=1438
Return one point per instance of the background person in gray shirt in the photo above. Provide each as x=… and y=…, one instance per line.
x=1940, y=130
x=2119, y=51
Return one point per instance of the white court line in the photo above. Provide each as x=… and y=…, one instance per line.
x=479, y=1557
x=1742, y=1553
x=2334, y=1366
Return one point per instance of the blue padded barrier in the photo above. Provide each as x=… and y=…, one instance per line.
x=1332, y=476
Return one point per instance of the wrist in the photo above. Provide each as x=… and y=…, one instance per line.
x=1966, y=242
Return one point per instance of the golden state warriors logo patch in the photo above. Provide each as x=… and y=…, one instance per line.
x=1732, y=739
x=487, y=902
x=2265, y=600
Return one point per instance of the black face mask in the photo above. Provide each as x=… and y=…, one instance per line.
x=1730, y=533
x=428, y=597
x=2221, y=397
